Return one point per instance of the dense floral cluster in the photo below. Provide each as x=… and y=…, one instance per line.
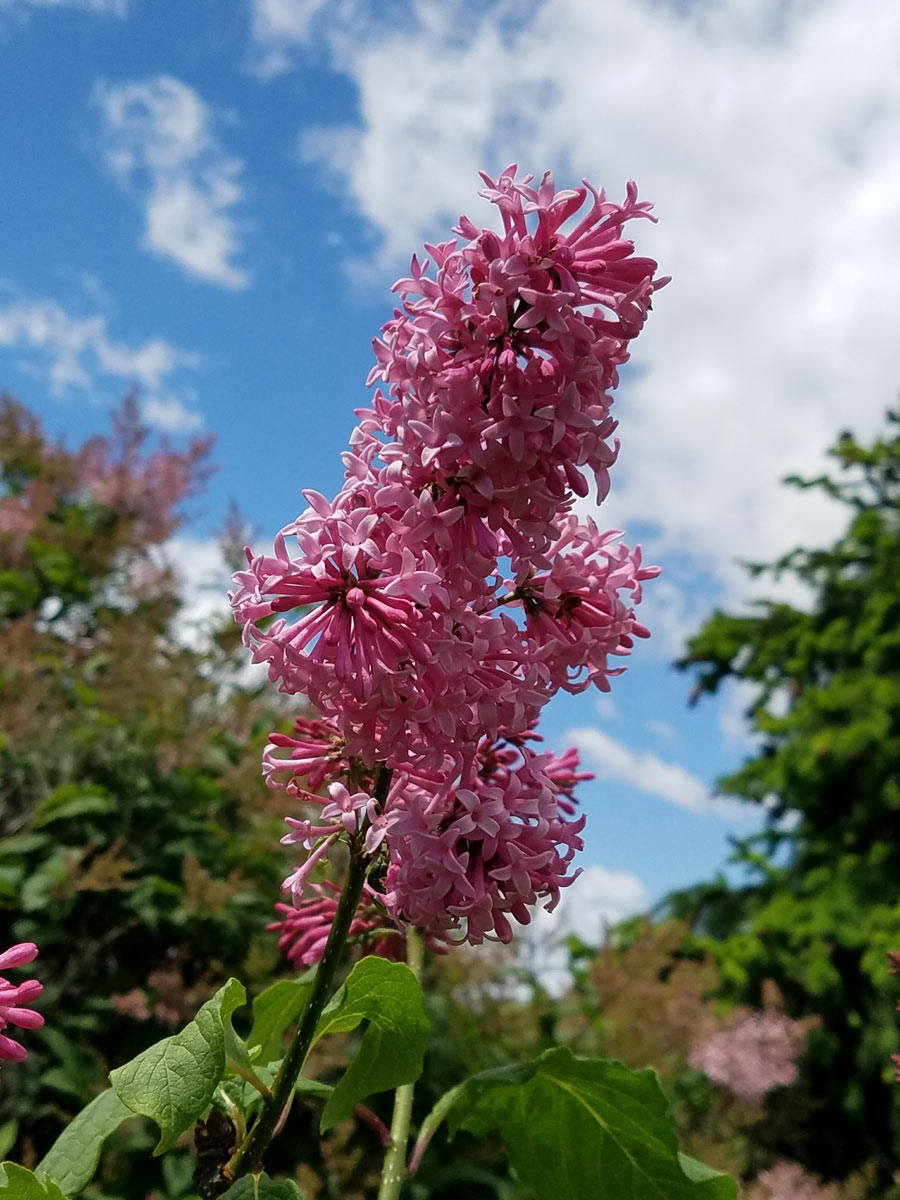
x=13, y=997
x=757, y=1053
x=448, y=592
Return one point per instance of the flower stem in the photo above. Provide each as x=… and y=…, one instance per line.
x=393, y=1175
x=249, y=1155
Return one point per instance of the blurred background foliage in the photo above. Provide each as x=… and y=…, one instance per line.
x=138, y=847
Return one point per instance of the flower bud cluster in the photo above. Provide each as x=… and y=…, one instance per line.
x=14, y=997
x=447, y=592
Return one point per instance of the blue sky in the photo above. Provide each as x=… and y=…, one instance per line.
x=210, y=200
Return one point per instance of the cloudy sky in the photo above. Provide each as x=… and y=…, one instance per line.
x=209, y=199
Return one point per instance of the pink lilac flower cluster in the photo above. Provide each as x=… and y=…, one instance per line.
x=435, y=605
x=477, y=855
x=755, y=1054
x=12, y=999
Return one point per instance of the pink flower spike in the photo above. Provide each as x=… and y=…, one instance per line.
x=385, y=606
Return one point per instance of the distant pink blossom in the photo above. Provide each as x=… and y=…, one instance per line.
x=755, y=1054
x=12, y=999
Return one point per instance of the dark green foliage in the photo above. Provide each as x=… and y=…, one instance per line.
x=824, y=904
x=136, y=842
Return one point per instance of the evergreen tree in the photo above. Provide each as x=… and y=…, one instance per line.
x=823, y=905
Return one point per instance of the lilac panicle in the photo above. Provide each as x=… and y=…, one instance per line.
x=433, y=607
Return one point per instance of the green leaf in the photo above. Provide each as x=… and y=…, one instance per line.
x=72, y=800
x=9, y=1131
x=273, y=1010
x=173, y=1082
x=585, y=1127
x=700, y=1173
x=72, y=1159
x=18, y=1183
x=177, y=1173
x=237, y=1056
x=261, y=1187
x=388, y=996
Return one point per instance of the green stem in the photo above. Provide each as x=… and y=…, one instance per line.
x=393, y=1175
x=249, y=1155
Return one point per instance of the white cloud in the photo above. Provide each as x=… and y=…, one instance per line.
x=158, y=144
x=663, y=730
x=648, y=773
x=278, y=28
x=203, y=578
x=597, y=900
x=171, y=414
x=766, y=134
x=75, y=353
x=605, y=706
x=735, y=701
x=114, y=8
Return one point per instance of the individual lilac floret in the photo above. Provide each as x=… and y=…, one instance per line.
x=12, y=999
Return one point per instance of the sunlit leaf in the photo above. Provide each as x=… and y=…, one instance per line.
x=389, y=998
x=585, y=1127
x=18, y=1183
x=173, y=1082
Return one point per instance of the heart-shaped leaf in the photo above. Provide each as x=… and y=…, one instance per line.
x=173, y=1082
x=586, y=1127
x=387, y=996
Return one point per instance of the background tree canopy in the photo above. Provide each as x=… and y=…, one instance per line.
x=136, y=841
x=822, y=908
